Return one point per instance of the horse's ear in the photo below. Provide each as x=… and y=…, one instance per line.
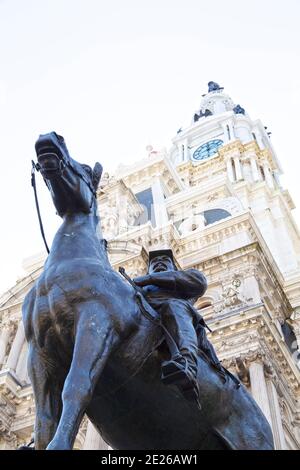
x=97, y=172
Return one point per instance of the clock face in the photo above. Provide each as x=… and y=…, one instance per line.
x=207, y=150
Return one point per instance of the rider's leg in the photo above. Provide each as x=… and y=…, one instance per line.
x=178, y=319
x=182, y=371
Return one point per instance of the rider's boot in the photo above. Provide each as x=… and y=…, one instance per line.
x=181, y=370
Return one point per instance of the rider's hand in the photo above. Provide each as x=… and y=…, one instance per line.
x=143, y=280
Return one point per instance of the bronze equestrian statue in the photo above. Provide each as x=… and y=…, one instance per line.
x=92, y=350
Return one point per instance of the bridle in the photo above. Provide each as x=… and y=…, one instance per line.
x=62, y=164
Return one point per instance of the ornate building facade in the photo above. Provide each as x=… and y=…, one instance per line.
x=215, y=198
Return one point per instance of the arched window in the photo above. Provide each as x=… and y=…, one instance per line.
x=145, y=198
x=213, y=215
x=205, y=304
x=290, y=338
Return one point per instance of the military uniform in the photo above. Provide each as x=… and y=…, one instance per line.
x=172, y=294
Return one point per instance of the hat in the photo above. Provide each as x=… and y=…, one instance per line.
x=155, y=253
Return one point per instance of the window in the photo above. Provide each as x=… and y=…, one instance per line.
x=214, y=215
x=228, y=132
x=290, y=338
x=145, y=198
x=210, y=216
x=233, y=169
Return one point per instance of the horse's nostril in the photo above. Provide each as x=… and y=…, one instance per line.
x=49, y=163
x=48, y=160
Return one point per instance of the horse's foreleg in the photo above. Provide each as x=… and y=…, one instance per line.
x=47, y=394
x=93, y=342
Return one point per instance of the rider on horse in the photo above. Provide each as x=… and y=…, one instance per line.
x=172, y=293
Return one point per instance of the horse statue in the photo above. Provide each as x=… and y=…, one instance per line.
x=92, y=351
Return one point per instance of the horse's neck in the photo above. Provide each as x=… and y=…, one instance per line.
x=78, y=237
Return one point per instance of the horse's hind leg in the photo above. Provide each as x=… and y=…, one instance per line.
x=94, y=340
x=47, y=395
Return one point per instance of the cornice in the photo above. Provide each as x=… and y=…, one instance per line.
x=21, y=286
x=251, y=336
x=159, y=166
x=216, y=183
x=231, y=146
x=10, y=386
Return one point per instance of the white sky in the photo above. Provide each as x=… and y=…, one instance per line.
x=113, y=76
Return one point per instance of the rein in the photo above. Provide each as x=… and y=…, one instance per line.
x=33, y=184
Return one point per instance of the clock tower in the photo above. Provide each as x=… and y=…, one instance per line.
x=223, y=140
x=216, y=122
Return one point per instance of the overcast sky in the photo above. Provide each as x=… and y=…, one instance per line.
x=114, y=76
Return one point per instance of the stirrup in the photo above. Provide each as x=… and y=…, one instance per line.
x=174, y=372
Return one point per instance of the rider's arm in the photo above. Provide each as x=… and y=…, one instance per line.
x=188, y=284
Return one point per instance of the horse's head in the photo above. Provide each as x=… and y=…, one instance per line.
x=72, y=185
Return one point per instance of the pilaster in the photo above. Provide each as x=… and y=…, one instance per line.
x=16, y=347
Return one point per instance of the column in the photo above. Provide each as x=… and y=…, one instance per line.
x=259, y=138
x=276, y=177
x=4, y=338
x=254, y=168
x=225, y=132
x=295, y=317
x=16, y=347
x=161, y=215
x=230, y=170
x=259, y=388
x=238, y=168
x=278, y=432
x=21, y=368
x=180, y=149
x=268, y=176
x=93, y=440
x=186, y=151
x=231, y=130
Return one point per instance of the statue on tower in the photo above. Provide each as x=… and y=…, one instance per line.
x=239, y=110
x=213, y=86
x=202, y=114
